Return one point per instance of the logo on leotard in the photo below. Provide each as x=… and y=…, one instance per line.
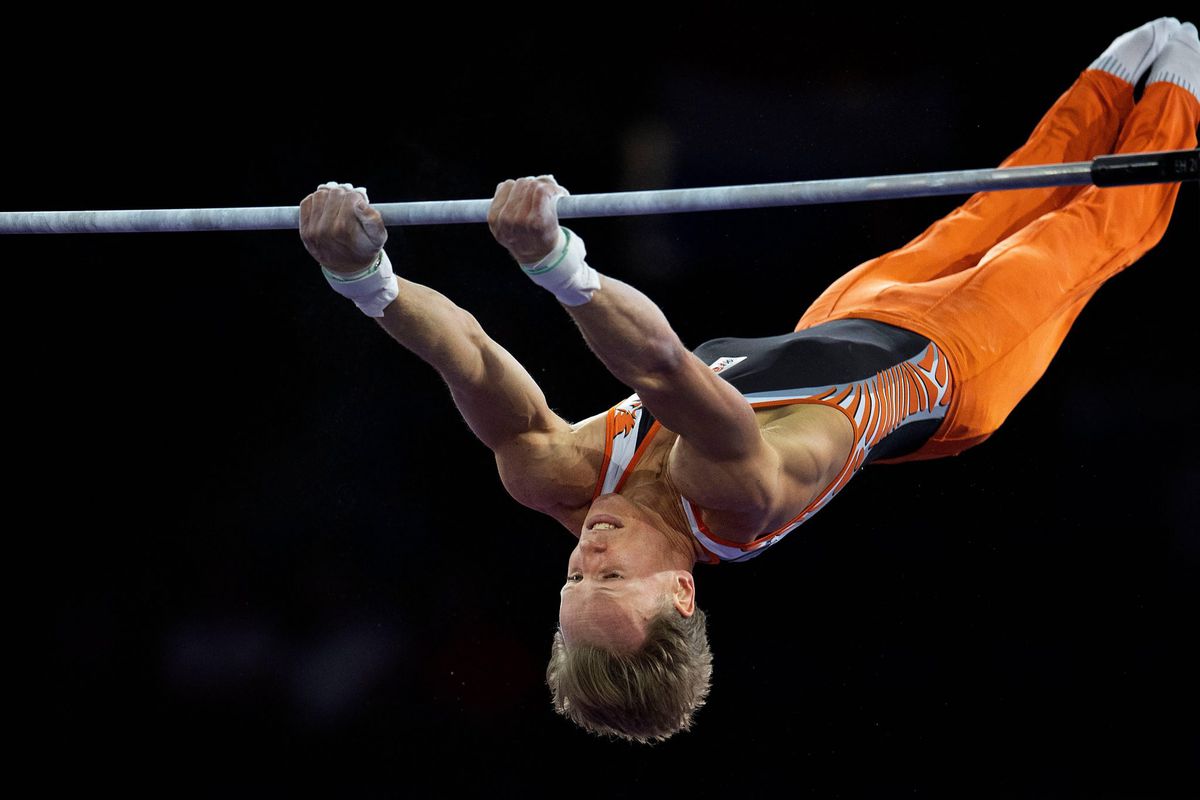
x=623, y=421
x=725, y=363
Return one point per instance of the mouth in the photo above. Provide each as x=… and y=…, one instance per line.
x=602, y=522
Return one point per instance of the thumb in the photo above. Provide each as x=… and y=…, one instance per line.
x=372, y=223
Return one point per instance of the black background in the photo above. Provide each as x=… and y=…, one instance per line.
x=266, y=549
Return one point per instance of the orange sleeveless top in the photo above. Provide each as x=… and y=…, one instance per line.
x=894, y=405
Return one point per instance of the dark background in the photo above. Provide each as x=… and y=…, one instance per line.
x=266, y=549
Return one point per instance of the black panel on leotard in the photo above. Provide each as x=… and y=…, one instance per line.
x=644, y=425
x=834, y=352
x=906, y=439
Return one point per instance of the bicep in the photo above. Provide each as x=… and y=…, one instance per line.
x=705, y=411
x=753, y=494
x=748, y=487
x=720, y=460
x=745, y=478
x=553, y=471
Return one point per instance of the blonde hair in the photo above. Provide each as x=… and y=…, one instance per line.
x=644, y=696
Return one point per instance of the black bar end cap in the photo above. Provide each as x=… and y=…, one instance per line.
x=1128, y=169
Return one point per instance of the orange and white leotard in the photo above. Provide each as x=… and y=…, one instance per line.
x=893, y=385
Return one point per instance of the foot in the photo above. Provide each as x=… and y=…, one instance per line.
x=1179, y=62
x=1132, y=53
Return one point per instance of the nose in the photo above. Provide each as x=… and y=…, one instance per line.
x=593, y=546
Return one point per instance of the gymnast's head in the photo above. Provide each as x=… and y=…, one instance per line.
x=631, y=657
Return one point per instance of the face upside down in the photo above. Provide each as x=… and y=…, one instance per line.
x=631, y=656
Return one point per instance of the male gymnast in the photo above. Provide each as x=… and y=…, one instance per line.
x=720, y=452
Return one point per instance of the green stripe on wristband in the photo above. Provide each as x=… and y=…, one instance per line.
x=357, y=276
x=557, y=261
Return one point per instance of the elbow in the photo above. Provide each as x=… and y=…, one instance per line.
x=468, y=330
x=466, y=322
x=661, y=365
x=664, y=357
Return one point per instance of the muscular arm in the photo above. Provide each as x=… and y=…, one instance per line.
x=630, y=334
x=539, y=459
x=721, y=459
x=495, y=394
x=537, y=452
x=632, y=337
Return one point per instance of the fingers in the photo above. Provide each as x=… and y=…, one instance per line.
x=508, y=206
x=331, y=192
x=531, y=194
x=523, y=216
x=311, y=213
x=524, y=198
x=339, y=228
x=306, y=210
x=499, y=200
x=347, y=186
x=333, y=203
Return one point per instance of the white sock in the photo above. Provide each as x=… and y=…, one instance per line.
x=1132, y=53
x=1179, y=62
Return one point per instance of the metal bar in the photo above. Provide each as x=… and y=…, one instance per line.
x=614, y=204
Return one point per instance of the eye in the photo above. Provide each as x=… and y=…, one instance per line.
x=574, y=578
x=613, y=575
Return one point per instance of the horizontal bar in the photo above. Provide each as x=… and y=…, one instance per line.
x=614, y=204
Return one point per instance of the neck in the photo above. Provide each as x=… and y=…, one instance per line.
x=660, y=500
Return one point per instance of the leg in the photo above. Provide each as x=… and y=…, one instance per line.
x=1008, y=318
x=1083, y=123
x=1002, y=319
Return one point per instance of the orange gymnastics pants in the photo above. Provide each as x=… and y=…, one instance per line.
x=998, y=282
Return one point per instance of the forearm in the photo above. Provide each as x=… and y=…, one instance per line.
x=632, y=337
x=625, y=329
x=496, y=396
x=629, y=334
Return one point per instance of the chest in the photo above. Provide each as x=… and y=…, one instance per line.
x=807, y=436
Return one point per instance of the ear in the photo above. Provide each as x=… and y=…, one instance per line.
x=683, y=593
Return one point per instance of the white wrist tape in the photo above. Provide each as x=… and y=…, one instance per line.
x=564, y=272
x=371, y=290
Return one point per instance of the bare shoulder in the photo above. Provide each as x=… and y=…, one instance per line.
x=805, y=447
x=813, y=441
x=555, y=472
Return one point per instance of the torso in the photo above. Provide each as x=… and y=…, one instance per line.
x=888, y=392
x=784, y=427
